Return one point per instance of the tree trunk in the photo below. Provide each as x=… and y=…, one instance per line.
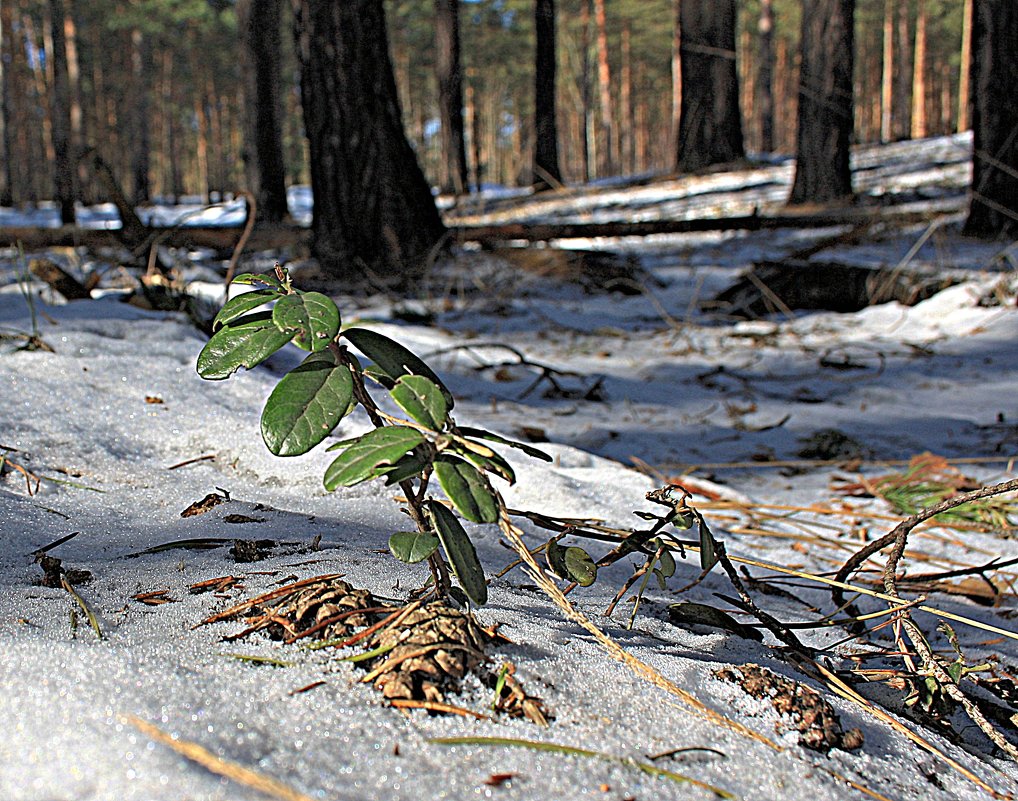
x=627, y=150
x=765, y=77
x=6, y=107
x=710, y=126
x=994, y=70
x=964, y=71
x=822, y=170
x=260, y=26
x=374, y=216
x=546, y=165
x=450, y=96
x=63, y=165
x=141, y=70
x=585, y=94
x=887, y=76
x=902, y=100
x=676, y=65
x=606, y=163
x=919, y=123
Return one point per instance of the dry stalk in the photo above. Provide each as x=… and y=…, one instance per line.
x=215, y=764
x=616, y=651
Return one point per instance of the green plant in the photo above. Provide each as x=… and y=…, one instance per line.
x=309, y=402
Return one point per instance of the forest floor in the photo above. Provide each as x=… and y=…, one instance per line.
x=795, y=433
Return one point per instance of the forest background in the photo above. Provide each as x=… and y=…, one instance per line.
x=157, y=87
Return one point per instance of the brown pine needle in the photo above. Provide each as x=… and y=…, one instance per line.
x=221, y=767
x=436, y=706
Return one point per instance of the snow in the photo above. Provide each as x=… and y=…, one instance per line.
x=683, y=392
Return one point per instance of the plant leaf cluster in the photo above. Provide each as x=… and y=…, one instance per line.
x=312, y=399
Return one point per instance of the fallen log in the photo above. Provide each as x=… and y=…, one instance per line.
x=223, y=239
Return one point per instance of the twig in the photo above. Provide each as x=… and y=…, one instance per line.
x=436, y=706
x=208, y=457
x=249, y=224
x=215, y=764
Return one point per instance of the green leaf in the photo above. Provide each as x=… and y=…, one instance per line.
x=468, y=490
x=242, y=304
x=492, y=463
x=666, y=563
x=461, y=553
x=408, y=467
x=480, y=433
x=311, y=319
x=572, y=563
x=263, y=278
x=421, y=398
x=708, y=545
x=393, y=359
x=688, y=613
x=412, y=546
x=371, y=456
x=243, y=343
x=306, y=405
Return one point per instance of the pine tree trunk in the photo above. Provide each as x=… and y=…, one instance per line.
x=585, y=93
x=919, y=123
x=765, y=77
x=450, y=96
x=710, y=126
x=887, y=77
x=676, y=73
x=994, y=71
x=606, y=163
x=964, y=71
x=6, y=108
x=141, y=69
x=626, y=124
x=546, y=165
x=822, y=170
x=902, y=100
x=63, y=165
x=374, y=216
x=260, y=26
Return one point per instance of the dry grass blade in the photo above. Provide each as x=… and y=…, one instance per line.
x=214, y=764
x=616, y=651
x=93, y=621
x=436, y=706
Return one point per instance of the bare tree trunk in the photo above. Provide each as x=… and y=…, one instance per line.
x=450, y=96
x=822, y=170
x=260, y=25
x=994, y=70
x=964, y=72
x=765, y=77
x=919, y=123
x=628, y=151
x=141, y=68
x=606, y=161
x=6, y=107
x=585, y=139
x=546, y=165
x=676, y=73
x=710, y=128
x=902, y=99
x=887, y=82
x=374, y=215
x=63, y=165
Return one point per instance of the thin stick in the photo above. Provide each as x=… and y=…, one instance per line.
x=436, y=706
x=215, y=764
x=92, y=620
x=208, y=457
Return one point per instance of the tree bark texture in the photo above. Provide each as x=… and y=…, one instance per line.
x=260, y=26
x=450, y=96
x=63, y=165
x=765, y=76
x=6, y=108
x=994, y=74
x=710, y=125
x=546, y=164
x=822, y=170
x=374, y=217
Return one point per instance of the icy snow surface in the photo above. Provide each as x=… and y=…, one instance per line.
x=682, y=392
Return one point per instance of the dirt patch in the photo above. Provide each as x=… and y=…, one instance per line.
x=808, y=712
